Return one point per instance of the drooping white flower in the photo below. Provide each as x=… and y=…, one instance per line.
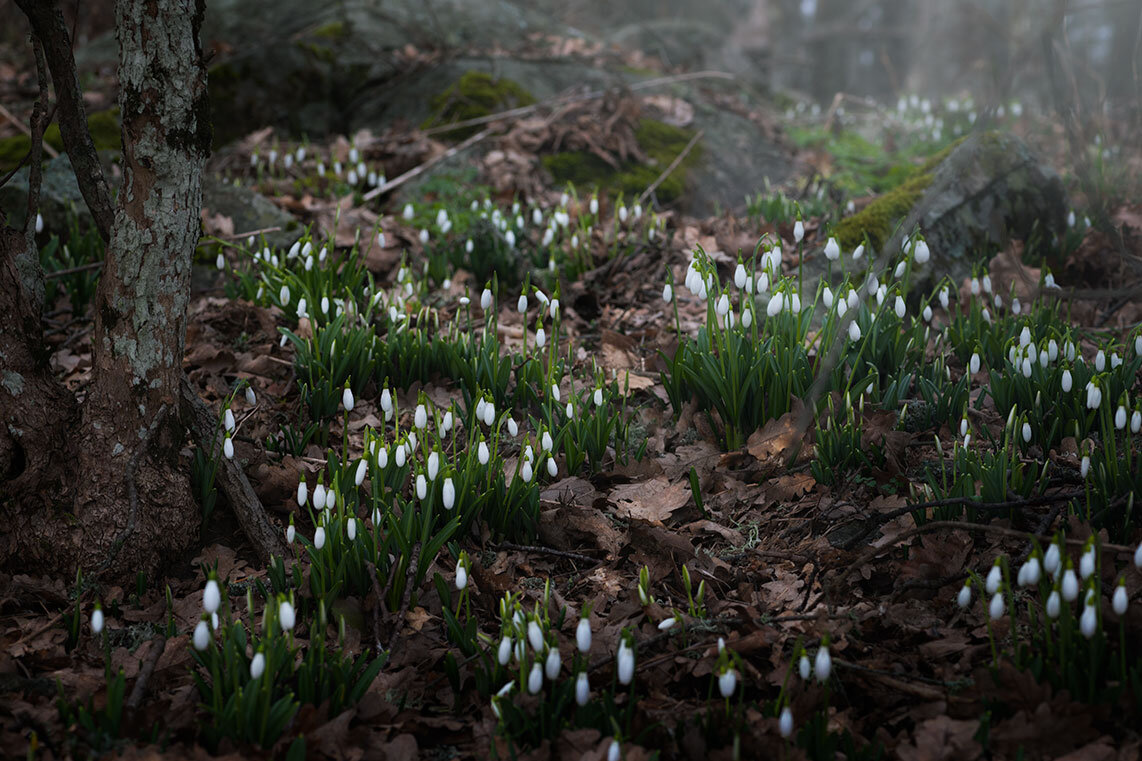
x=1086, y=564
x=482, y=452
x=1026, y=432
x=535, y=678
x=921, y=253
x=1088, y=624
x=582, y=689
x=583, y=635
x=486, y=299
x=832, y=250
x=201, y=635
x=798, y=231
x=785, y=723
x=854, y=331
x=526, y=472
x=351, y=529
x=1120, y=417
x=1136, y=421
x=666, y=624
x=228, y=448
x=995, y=608
x=614, y=751
x=1054, y=604
x=421, y=486
x=448, y=495
x=727, y=683
x=625, y=663
x=804, y=667
x=1100, y=361
x=283, y=295
x=994, y=577
x=1070, y=585
x=211, y=596
x=347, y=400
x=489, y=413
x=97, y=620
x=823, y=664
x=899, y=307
x=552, y=466
x=1120, y=599
x=291, y=534
x=286, y=617
x=319, y=537
x=504, y=654
x=362, y=469
x=963, y=599
x=858, y=252
x=552, y=664
x=1067, y=382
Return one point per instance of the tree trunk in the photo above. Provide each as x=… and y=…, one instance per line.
x=132, y=434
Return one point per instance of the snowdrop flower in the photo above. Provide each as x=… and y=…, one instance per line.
x=257, y=665
x=291, y=534
x=995, y=608
x=535, y=635
x=319, y=537
x=420, y=417
x=359, y=476
x=421, y=486
x=666, y=624
x=594, y=205
x=795, y=303
x=220, y=262
x=535, y=678
x=975, y=286
x=504, y=654
x=854, y=331
x=1054, y=604
x=1026, y=432
x=921, y=253
x=623, y=214
x=1030, y=572
x=552, y=467
x=201, y=635
x=1086, y=564
x=211, y=596
x=1136, y=421
x=408, y=211
x=546, y=441
x=986, y=282
x=1088, y=624
x=1068, y=381
x=583, y=635
x=823, y=664
x=858, y=252
x=832, y=250
x=614, y=751
x=319, y=496
x=774, y=306
x=899, y=307
x=526, y=472
x=541, y=336
x=899, y=271
x=994, y=577
x=798, y=231
x=963, y=599
x=1120, y=417
x=625, y=663
x=804, y=668
x=927, y=313
x=827, y=297
x=1070, y=585
x=747, y=317
x=283, y=295
x=1100, y=361
x=785, y=723
x=723, y=305
x=582, y=689
x=347, y=399
x=461, y=575
x=727, y=683
x=1120, y=599
x=1051, y=559
x=486, y=299
x=553, y=663
x=228, y=448
x=228, y=419
x=1084, y=466
x=286, y=615
x=97, y=620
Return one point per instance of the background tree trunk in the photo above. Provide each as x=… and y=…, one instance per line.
x=132, y=432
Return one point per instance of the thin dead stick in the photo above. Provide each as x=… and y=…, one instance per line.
x=548, y=551
x=565, y=99
x=673, y=165
x=239, y=236
x=73, y=270
x=140, y=688
x=397, y=182
x=9, y=116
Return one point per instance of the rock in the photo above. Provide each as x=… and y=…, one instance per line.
x=989, y=189
x=59, y=196
x=249, y=210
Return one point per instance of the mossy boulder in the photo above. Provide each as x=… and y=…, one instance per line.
x=977, y=195
x=660, y=142
x=475, y=94
x=103, y=125
x=249, y=210
x=59, y=196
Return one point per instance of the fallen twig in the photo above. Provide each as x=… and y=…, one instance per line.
x=672, y=166
x=140, y=688
x=398, y=181
x=548, y=551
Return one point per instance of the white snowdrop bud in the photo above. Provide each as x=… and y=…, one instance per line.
x=666, y=624
x=283, y=295
x=251, y=399
x=1120, y=418
x=211, y=596
x=526, y=472
x=1086, y=564
x=583, y=634
x=552, y=467
x=594, y=206
x=1100, y=361
x=486, y=299
x=747, y=317
x=408, y=211
x=1120, y=600
x=858, y=252
x=995, y=608
x=623, y=214
x=1051, y=559
x=723, y=305
x=899, y=307
x=420, y=417
x=740, y=275
x=994, y=577
x=785, y=723
x=347, y=399
x=795, y=303
x=220, y=262
x=922, y=253
x=832, y=249
x=319, y=537
x=927, y=313
x=228, y=419
x=1070, y=585
x=513, y=427
x=40, y=226
x=201, y=635
x=546, y=441
x=535, y=635
x=1084, y=466
x=359, y=476
x=1054, y=604
x=319, y=496
x=257, y=665
x=1135, y=421
x=804, y=667
x=899, y=271
x=1088, y=624
x=823, y=664
x=351, y=528
x=540, y=337
x=461, y=576
x=521, y=305
x=490, y=413
x=798, y=231
x=330, y=499
x=449, y=494
x=421, y=486
x=286, y=615
x=228, y=448
x=1067, y=382
x=97, y=620
x=727, y=683
x=614, y=751
x=509, y=238
x=1026, y=432
x=552, y=665
x=827, y=297
x=963, y=599
x=854, y=331
x=504, y=654
x=625, y=663
x=291, y=534
x=986, y=282
x=482, y=453
x=582, y=689
x=774, y=305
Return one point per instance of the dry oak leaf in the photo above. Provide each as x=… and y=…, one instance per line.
x=652, y=500
x=942, y=739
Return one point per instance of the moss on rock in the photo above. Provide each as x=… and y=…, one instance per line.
x=475, y=94
x=660, y=142
x=103, y=125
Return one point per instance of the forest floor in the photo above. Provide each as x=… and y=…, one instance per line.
x=722, y=554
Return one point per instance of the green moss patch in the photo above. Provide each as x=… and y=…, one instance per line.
x=103, y=125
x=660, y=142
x=474, y=95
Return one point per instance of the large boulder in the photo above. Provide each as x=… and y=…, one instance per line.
x=989, y=189
x=248, y=210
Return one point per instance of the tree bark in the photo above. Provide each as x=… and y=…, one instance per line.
x=129, y=453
